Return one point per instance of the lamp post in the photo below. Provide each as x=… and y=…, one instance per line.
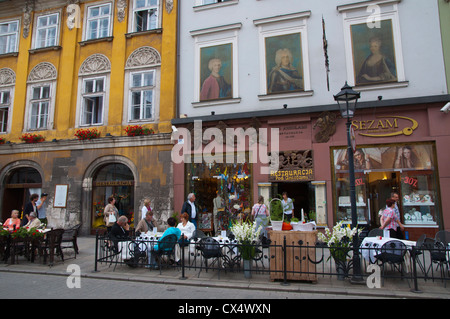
x=347, y=100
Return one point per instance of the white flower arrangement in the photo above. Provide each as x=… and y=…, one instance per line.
x=246, y=235
x=339, y=239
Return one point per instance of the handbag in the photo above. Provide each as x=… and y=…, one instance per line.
x=112, y=218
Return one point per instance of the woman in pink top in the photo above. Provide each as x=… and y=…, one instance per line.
x=13, y=221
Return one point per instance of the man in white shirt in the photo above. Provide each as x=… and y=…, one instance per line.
x=190, y=208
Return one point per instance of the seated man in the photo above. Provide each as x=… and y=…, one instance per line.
x=33, y=221
x=119, y=231
x=169, y=231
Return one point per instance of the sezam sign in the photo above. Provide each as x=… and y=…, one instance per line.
x=385, y=126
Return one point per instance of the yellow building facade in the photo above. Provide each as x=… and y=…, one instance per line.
x=70, y=68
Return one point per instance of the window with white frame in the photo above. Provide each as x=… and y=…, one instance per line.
x=40, y=103
x=373, y=48
x=47, y=27
x=9, y=35
x=145, y=15
x=98, y=23
x=142, y=85
x=93, y=99
x=5, y=103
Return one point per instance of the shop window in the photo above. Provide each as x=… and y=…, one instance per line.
x=115, y=180
x=9, y=35
x=231, y=182
x=409, y=170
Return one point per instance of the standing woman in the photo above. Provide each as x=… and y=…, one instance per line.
x=111, y=212
x=260, y=214
x=146, y=208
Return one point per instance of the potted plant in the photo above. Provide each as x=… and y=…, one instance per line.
x=138, y=130
x=32, y=138
x=2, y=140
x=339, y=240
x=246, y=235
x=276, y=213
x=87, y=134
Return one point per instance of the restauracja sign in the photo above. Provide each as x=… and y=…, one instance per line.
x=385, y=126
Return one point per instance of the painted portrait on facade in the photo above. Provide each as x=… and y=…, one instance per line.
x=216, y=72
x=373, y=53
x=284, y=63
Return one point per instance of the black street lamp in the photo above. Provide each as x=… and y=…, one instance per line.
x=347, y=100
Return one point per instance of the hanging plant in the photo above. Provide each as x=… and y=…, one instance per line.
x=32, y=138
x=137, y=130
x=87, y=134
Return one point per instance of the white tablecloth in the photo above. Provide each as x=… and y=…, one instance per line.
x=371, y=246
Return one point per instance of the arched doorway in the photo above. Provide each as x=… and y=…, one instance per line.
x=19, y=185
x=112, y=179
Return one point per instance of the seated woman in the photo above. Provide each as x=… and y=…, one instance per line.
x=172, y=230
x=186, y=227
x=14, y=220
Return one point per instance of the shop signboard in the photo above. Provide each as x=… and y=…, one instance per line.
x=294, y=166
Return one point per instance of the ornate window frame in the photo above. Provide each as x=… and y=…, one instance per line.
x=94, y=66
x=141, y=60
x=43, y=74
x=7, y=84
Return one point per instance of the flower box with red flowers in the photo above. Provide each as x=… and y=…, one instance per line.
x=32, y=138
x=87, y=134
x=138, y=130
x=2, y=140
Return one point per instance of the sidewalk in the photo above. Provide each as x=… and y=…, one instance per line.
x=85, y=259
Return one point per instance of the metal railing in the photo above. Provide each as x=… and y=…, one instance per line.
x=283, y=261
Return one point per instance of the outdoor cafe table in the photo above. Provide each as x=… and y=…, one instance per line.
x=145, y=240
x=371, y=247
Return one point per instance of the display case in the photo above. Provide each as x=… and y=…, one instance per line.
x=418, y=198
x=344, y=211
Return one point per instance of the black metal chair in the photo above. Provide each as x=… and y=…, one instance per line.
x=417, y=253
x=438, y=256
x=443, y=236
x=375, y=232
x=138, y=253
x=52, y=244
x=69, y=240
x=166, y=250
x=210, y=249
x=393, y=253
